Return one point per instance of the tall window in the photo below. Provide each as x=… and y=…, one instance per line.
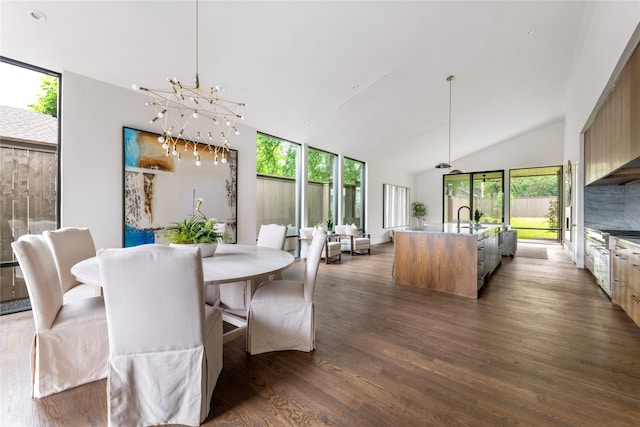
x=278, y=199
x=467, y=192
x=29, y=135
x=353, y=192
x=536, y=202
x=321, y=179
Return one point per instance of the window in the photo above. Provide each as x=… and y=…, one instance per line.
x=467, y=192
x=535, y=202
x=29, y=135
x=278, y=194
x=321, y=180
x=353, y=192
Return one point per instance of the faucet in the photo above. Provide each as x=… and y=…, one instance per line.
x=459, y=213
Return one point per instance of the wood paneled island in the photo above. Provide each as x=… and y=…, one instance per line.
x=446, y=258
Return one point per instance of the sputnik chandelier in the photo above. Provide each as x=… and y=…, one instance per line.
x=199, y=117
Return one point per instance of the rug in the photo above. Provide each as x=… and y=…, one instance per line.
x=532, y=252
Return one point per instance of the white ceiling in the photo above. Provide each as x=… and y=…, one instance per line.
x=360, y=78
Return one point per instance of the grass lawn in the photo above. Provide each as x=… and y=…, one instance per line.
x=533, y=223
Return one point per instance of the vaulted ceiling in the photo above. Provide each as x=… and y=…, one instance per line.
x=362, y=78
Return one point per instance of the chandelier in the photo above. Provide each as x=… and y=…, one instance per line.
x=199, y=117
x=447, y=165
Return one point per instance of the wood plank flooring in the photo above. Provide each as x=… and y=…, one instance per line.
x=542, y=346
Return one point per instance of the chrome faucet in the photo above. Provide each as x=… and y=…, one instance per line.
x=459, y=213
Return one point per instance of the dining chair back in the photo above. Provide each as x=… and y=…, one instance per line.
x=282, y=314
x=70, y=345
x=272, y=236
x=70, y=245
x=166, y=346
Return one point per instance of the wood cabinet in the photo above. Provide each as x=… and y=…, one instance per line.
x=613, y=138
x=454, y=263
x=626, y=278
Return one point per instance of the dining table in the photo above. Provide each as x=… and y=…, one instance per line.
x=230, y=263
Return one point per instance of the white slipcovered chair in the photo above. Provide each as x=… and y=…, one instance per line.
x=232, y=295
x=70, y=346
x=70, y=245
x=282, y=313
x=353, y=240
x=332, y=251
x=166, y=345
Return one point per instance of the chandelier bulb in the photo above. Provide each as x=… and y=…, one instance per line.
x=175, y=152
x=224, y=159
x=215, y=121
x=227, y=122
x=165, y=146
x=210, y=136
x=195, y=114
x=198, y=162
x=135, y=87
x=161, y=113
x=153, y=120
x=236, y=131
x=179, y=156
x=161, y=139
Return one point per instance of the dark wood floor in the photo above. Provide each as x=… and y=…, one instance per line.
x=542, y=346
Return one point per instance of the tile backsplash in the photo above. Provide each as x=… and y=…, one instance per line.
x=612, y=206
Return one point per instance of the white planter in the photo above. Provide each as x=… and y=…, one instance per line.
x=206, y=249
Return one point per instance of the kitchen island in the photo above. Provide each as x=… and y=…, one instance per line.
x=447, y=258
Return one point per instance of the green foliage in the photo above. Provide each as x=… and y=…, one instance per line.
x=477, y=215
x=352, y=172
x=277, y=157
x=419, y=209
x=193, y=230
x=47, y=102
x=552, y=214
x=329, y=224
x=534, y=186
x=320, y=165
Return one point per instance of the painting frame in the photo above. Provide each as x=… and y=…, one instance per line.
x=159, y=188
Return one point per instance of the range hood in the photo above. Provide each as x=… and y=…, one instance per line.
x=627, y=173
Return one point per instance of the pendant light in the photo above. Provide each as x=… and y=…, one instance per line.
x=448, y=164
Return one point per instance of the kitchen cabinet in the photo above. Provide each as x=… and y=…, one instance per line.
x=446, y=258
x=613, y=138
x=626, y=277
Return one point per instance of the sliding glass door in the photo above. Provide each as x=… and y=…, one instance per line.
x=466, y=193
x=535, y=202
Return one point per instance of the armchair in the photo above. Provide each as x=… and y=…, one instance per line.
x=353, y=240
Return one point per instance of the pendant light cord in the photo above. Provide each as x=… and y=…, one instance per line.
x=450, y=78
x=197, y=48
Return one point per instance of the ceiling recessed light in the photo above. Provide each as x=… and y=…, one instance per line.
x=531, y=31
x=37, y=15
x=356, y=87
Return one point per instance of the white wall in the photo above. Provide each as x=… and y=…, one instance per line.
x=93, y=114
x=378, y=173
x=539, y=147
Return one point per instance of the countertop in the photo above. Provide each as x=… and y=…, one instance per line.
x=451, y=228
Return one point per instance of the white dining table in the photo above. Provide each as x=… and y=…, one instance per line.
x=230, y=263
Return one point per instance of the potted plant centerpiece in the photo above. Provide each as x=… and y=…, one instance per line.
x=196, y=230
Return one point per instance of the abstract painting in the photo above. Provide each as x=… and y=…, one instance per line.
x=160, y=188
